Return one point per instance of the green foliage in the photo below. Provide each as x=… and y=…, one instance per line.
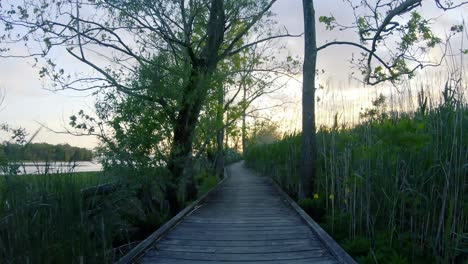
x=377, y=112
x=457, y=28
x=49, y=219
x=206, y=180
x=357, y=247
x=263, y=132
x=44, y=220
x=384, y=178
x=363, y=29
x=231, y=156
x=18, y=135
x=382, y=26
x=417, y=29
x=328, y=21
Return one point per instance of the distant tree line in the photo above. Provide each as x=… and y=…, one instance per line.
x=44, y=152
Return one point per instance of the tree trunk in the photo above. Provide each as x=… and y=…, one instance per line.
x=219, y=165
x=244, y=129
x=194, y=95
x=226, y=134
x=220, y=155
x=181, y=150
x=184, y=129
x=308, y=158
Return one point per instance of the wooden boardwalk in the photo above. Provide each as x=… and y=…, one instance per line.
x=246, y=219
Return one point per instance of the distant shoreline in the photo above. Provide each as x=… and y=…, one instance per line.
x=44, y=162
x=36, y=167
x=57, y=164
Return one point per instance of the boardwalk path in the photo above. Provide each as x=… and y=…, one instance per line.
x=245, y=221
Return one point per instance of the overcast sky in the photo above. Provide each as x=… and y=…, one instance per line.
x=27, y=103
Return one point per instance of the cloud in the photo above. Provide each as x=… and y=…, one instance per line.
x=26, y=102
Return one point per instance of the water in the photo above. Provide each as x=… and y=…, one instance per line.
x=59, y=167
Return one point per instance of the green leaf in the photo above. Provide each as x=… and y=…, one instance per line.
x=328, y=21
x=456, y=28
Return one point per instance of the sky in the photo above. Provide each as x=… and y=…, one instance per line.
x=28, y=102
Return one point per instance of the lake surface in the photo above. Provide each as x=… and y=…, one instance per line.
x=59, y=167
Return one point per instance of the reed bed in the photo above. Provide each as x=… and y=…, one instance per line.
x=44, y=219
x=392, y=188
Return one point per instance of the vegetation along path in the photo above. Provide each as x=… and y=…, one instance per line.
x=246, y=219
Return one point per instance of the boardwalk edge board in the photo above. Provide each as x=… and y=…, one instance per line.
x=138, y=250
x=335, y=249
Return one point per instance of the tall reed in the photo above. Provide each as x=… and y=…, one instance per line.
x=43, y=219
x=397, y=175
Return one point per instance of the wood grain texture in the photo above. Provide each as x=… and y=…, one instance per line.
x=247, y=220
x=326, y=239
x=134, y=253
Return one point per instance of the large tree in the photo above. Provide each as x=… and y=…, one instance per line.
x=394, y=40
x=118, y=39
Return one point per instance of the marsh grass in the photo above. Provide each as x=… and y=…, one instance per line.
x=43, y=219
x=394, y=186
x=50, y=218
x=58, y=218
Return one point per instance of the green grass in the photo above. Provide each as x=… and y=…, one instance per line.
x=47, y=219
x=43, y=219
x=393, y=187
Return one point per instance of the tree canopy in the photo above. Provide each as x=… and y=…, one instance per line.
x=159, y=68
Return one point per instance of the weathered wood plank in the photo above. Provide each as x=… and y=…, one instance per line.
x=327, y=240
x=317, y=253
x=140, y=248
x=241, y=249
x=251, y=214
x=159, y=260
x=241, y=225
x=240, y=232
x=238, y=243
x=246, y=220
x=202, y=227
x=240, y=237
x=240, y=221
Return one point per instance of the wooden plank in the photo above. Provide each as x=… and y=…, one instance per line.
x=327, y=240
x=145, y=244
x=228, y=220
x=241, y=236
x=238, y=243
x=251, y=213
x=240, y=232
x=228, y=228
x=246, y=220
x=239, y=250
x=309, y=254
x=238, y=221
x=240, y=224
x=158, y=260
x=243, y=210
x=262, y=219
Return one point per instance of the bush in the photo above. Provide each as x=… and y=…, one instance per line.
x=206, y=180
x=231, y=156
